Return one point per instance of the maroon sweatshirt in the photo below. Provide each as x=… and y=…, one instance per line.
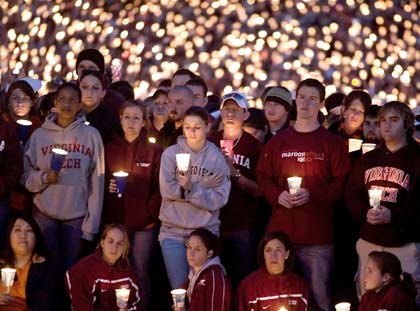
x=139, y=205
x=11, y=161
x=261, y=291
x=246, y=153
x=398, y=175
x=391, y=297
x=322, y=160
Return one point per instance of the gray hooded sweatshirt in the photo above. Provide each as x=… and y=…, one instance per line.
x=80, y=187
x=183, y=211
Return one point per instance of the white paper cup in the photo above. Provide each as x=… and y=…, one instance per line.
x=366, y=147
x=178, y=296
x=375, y=196
x=294, y=184
x=183, y=161
x=122, y=295
x=8, y=276
x=355, y=144
x=342, y=306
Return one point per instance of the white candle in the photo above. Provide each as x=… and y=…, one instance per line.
x=183, y=161
x=178, y=296
x=8, y=277
x=366, y=147
x=355, y=144
x=375, y=196
x=342, y=306
x=122, y=297
x=294, y=184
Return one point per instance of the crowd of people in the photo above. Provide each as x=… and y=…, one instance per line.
x=229, y=226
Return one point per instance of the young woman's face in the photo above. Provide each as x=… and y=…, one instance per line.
x=22, y=238
x=275, y=255
x=195, y=129
x=113, y=246
x=354, y=115
x=67, y=103
x=132, y=121
x=160, y=107
x=373, y=278
x=20, y=103
x=92, y=91
x=197, y=253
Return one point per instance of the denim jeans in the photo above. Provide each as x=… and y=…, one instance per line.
x=63, y=238
x=175, y=258
x=141, y=250
x=4, y=221
x=239, y=253
x=316, y=263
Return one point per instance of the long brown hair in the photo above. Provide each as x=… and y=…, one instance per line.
x=123, y=261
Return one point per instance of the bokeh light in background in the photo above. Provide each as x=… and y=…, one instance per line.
x=233, y=44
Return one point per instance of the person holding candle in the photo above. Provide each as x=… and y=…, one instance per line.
x=274, y=285
x=138, y=208
x=388, y=287
x=190, y=199
x=320, y=158
x=94, y=87
x=68, y=203
x=207, y=285
x=392, y=168
x=35, y=281
x=92, y=282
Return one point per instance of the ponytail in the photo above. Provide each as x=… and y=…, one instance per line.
x=408, y=284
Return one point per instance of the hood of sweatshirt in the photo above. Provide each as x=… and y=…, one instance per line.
x=50, y=123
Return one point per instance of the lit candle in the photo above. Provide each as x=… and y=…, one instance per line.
x=282, y=309
x=57, y=159
x=294, y=184
x=178, y=296
x=342, y=306
x=8, y=277
x=375, y=196
x=122, y=295
x=183, y=161
x=121, y=180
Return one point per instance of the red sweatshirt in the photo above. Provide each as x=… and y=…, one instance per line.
x=398, y=175
x=211, y=291
x=11, y=161
x=391, y=297
x=321, y=159
x=246, y=153
x=139, y=205
x=91, y=284
x=261, y=291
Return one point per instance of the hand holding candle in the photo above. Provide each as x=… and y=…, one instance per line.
x=178, y=296
x=122, y=295
x=8, y=277
x=23, y=129
x=183, y=161
x=121, y=180
x=375, y=196
x=57, y=159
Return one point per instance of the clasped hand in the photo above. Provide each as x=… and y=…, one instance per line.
x=297, y=199
x=379, y=215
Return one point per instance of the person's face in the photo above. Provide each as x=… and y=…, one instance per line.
x=197, y=253
x=92, y=91
x=178, y=103
x=22, y=238
x=195, y=129
x=308, y=103
x=200, y=99
x=274, y=111
x=67, y=104
x=371, y=131
x=275, y=255
x=160, y=107
x=354, y=115
x=113, y=246
x=373, y=278
x=180, y=80
x=19, y=103
x=86, y=65
x=392, y=127
x=257, y=133
x=233, y=115
x=132, y=121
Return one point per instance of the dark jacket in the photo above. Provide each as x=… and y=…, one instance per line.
x=139, y=205
x=104, y=119
x=168, y=134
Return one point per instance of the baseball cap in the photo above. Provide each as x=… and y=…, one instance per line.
x=279, y=95
x=237, y=97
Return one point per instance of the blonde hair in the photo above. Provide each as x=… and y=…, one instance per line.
x=109, y=227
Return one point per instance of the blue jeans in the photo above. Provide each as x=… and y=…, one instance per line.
x=175, y=258
x=239, y=251
x=141, y=251
x=63, y=238
x=315, y=263
x=4, y=221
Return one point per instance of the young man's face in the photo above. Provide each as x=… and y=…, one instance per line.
x=274, y=111
x=371, y=131
x=308, y=103
x=233, y=115
x=392, y=127
x=200, y=99
x=178, y=103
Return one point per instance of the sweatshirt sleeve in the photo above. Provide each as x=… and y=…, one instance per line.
x=216, y=296
x=32, y=177
x=78, y=289
x=96, y=181
x=215, y=197
x=169, y=186
x=266, y=177
x=13, y=162
x=356, y=197
x=155, y=199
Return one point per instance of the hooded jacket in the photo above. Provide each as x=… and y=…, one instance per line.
x=139, y=205
x=208, y=289
x=91, y=284
x=183, y=211
x=261, y=291
x=80, y=187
